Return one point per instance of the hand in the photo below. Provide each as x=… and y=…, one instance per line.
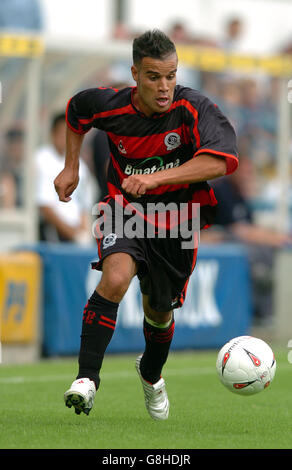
x=65, y=183
x=137, y=185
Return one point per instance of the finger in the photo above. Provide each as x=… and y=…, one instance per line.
x=131, y=187
x=128, y=187
x=135, y=190
x=69, y=191
x=64, y=196
x=61, y=193
x=142, y=189
x=125, y=184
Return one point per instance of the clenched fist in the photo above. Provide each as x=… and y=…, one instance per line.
x=137, y=185
x=65, y=183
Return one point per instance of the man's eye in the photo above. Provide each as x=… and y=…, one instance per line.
x=153, y=77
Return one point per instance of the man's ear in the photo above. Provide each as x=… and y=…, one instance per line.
x=134, y=71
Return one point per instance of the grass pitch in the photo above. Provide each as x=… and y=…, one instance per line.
x=203, y=414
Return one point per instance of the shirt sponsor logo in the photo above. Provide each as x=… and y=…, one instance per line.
x=158, y=166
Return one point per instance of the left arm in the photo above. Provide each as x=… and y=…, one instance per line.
x=201, y=168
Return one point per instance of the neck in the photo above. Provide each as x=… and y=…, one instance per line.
x=139, y=105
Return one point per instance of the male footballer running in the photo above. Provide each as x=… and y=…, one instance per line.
x=166, y=141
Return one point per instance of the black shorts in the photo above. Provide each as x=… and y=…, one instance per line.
x=164, y=266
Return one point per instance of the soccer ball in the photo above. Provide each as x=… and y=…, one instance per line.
x=246, y=365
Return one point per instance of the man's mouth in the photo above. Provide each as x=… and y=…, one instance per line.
x=162, y=102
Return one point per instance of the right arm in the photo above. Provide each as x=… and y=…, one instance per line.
x=67, y=181
x=82, y=114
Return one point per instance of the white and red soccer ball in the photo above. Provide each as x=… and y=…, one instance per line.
x=246, y=365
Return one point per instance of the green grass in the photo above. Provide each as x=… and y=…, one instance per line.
x=203, y=414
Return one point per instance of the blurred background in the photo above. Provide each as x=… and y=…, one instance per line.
x=239, y=54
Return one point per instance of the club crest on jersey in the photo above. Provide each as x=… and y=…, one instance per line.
x=109, y=240
x=121, y=147
x=172, y=141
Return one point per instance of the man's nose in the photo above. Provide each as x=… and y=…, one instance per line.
x=163, y=84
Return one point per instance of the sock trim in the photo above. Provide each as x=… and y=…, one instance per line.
x=158, y=325
x=106, y=324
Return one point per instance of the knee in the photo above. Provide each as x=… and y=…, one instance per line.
x=117, y=273
x=113, y=286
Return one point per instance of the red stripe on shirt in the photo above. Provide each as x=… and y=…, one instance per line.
x=149, y=145
x=112, y=112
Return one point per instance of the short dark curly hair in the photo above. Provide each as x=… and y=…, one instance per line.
x=153, y=44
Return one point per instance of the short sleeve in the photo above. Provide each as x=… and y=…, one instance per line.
x=216, y=135
x=86, y=109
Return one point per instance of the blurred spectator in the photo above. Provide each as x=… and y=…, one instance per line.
x=11, y=180
x=210, y=85
x=251, y=104
x=179, y=33
x=120, y=31
x=234, y=223
x=7, y=191
x=250, y=93
x=230, y=100
x=20, y=15
x=287, y=49
x=259, y=116
x=233, y=35
x=60, y=221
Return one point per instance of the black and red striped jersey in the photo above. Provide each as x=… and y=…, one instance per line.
x=139, y=144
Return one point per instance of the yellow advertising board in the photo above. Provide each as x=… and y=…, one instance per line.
x=12, y=45
x=217, y=60
x=20, y=284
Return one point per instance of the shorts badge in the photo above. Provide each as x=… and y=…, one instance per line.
x=109, y=240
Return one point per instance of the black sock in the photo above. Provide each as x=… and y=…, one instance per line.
x=99, y=320
x=158, y=341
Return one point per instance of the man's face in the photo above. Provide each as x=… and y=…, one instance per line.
x=156, y=79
